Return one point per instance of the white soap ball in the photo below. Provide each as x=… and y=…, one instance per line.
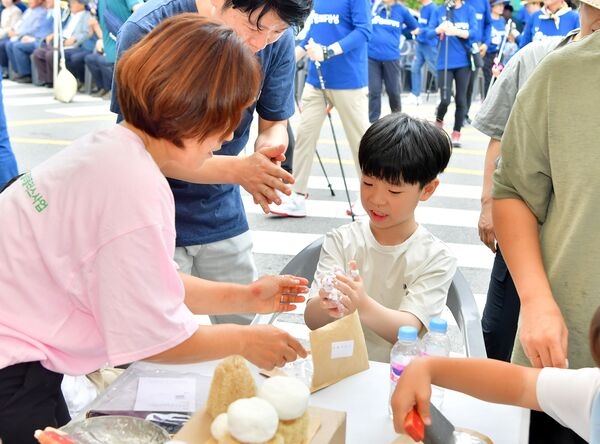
x=288, y=395
x=252, y=420
x=219, y=427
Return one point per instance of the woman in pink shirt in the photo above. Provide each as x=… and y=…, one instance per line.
x=87, y=237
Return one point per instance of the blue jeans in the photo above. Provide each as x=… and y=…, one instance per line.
x=423, y=54
x=19, y=55
x=387, y=72
x=8, y=164
x=101, y=69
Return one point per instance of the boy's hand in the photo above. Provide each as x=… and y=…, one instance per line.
x=413, y=390
x=332, y=305
x=352, y=288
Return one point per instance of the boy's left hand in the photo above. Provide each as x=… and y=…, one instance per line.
x=278, y=293
x=352, y=288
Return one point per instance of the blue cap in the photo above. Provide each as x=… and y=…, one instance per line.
x=438, y=325
x=407, y=333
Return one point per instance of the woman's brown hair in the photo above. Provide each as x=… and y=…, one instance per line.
x=595, y=337
x=187, y=79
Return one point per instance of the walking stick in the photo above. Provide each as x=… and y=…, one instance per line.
x=498, y=59
x=337, y=149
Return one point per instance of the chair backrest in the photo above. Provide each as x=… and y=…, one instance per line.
x=304, y=264
x=460, y=301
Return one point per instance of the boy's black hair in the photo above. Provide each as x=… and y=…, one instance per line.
x=401, y=149
x=293, y=12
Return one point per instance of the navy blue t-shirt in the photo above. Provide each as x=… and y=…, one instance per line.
x=211, y=213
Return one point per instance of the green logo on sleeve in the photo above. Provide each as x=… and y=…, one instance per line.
x=39, y=203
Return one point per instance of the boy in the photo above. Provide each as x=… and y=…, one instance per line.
x=405, y=271
x=569, y=396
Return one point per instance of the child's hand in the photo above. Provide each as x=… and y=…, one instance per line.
x=331, y=304
x=413, y=390
x=352, y=288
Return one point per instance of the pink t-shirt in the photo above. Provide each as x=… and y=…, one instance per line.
x=86, y=246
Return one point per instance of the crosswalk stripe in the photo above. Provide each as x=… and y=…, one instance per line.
x=45, y=100
x=443, y=190
x=423, y=214
x=102, y=111
x=289, y=243
x=25, y=91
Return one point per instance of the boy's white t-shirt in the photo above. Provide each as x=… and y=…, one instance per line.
x=567, y=396
x=413, y=276
x=86, y=246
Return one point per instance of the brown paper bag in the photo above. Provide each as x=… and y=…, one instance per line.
x=338, y=350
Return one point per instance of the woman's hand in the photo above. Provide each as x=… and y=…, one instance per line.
x=544, y=334
x=267, y=346
x=277, y=293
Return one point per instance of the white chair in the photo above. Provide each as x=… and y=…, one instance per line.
x=461, y=301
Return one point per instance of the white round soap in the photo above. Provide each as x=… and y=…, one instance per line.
x=219, y=427
x=252, y=420
x=288, y=395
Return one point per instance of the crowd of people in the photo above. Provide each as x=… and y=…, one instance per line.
x=86, y=32
x=105, y=273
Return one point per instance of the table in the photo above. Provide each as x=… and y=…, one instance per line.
x=363, y=396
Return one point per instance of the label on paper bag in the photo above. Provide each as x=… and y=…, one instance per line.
x=342, y=349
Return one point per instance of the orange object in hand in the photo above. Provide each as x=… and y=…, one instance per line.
x=414, y=426
x=50, y=436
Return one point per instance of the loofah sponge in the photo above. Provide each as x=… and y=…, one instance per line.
x=232, y=380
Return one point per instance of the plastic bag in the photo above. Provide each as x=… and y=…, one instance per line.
x=78, y=392
x=65, y=86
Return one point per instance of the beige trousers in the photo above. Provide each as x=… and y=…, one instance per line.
x=353, y=108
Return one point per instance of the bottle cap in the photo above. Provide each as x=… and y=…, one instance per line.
x=438, y=325
x=407, y=333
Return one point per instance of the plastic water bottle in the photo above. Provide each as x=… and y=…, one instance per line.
x=436, y=343
x=404, y=350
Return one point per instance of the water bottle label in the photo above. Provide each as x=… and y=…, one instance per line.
x=396, y=369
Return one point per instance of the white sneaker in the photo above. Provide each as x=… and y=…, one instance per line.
x=291, y=206
x=412, y=100
x=357, y=209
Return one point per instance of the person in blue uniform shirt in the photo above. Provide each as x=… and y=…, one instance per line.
x=554, y=18
x=482, y=42
x=497, y=36
x=337, y=40
x=426, y=51
x=456, y=24
x=390, y=19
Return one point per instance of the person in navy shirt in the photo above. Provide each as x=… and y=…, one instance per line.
x=389, y=20
x=426, y=51
x=213, y=237
x=456, y=25
x=554, y=18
